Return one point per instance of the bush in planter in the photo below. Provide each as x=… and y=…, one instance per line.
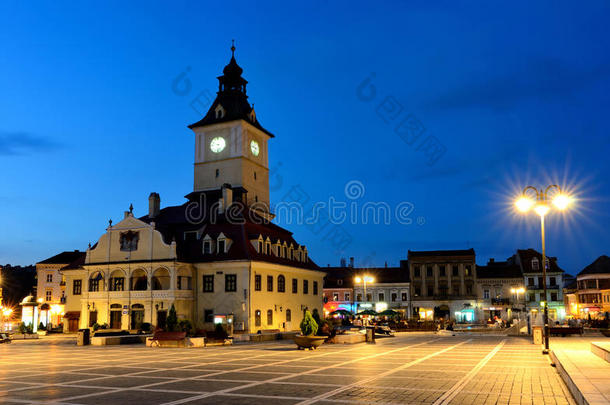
x=41, y=326
x=309, y=327
x=185, y=326
x=220, y=331
x=96, y=326
x=25, y=329
x=146, y=327
x=171, y=324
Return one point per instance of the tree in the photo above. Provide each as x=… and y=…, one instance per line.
x=172, y=320
x=309, y=327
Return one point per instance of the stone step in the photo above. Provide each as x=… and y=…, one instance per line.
x=601, y=350
x=586, y=375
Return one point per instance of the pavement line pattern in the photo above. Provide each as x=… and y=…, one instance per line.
x=372, y=373
x=193, y=378
x=298, y=374
x=384, y=374
x=459, y=386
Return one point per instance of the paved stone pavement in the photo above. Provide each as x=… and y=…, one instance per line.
x=407, y=369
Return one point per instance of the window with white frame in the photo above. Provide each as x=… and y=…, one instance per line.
x=535, y=263
x=49, y=277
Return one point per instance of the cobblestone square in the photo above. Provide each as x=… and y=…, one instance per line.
x=409, y=368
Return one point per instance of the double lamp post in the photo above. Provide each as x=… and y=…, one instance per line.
x=541, y=201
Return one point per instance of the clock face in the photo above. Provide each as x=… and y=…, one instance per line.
x=218, y=144
x=254, y=148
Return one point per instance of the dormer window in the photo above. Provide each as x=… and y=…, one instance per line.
x=267, y=247
x=535, y=263
x=220, y=111
x=190, y=235
x=207, y=245
x=222, y=244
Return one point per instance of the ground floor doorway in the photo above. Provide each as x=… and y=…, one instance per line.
x=161, y=319
x=115, y=319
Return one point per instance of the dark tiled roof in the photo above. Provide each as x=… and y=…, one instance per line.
x=526, y=256
x=381, y=274
x=64, y=258
x=243, y=227
x=601, y=265
x=440, y=253
x=499, y=270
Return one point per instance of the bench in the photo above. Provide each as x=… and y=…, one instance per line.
x=4, y=338
x=159, y=337
x=565, y=330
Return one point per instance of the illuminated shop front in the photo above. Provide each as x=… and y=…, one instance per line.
x=465, y=316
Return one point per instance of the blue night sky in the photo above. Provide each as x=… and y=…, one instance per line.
x=518, y=94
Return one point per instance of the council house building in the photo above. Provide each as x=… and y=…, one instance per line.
x=216, y=254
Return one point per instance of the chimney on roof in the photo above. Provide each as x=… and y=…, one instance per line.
x=492, y=260
x=351, y=261
x=343, y=262
x=386, y=264
x=154, y=205
x=227, y=198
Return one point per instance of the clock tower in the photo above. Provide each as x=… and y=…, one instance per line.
x=230, y=143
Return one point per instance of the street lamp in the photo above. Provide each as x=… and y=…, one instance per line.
x=542, y=206
x=364, y=279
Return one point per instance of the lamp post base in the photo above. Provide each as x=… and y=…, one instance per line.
x=545, y=351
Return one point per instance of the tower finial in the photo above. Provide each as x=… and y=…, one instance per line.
x=232, y=48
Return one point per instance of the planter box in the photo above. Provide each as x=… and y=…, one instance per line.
x=350, y=338
x=118, y=340
x=22, y=336
x=309, y=342
x=195, y=342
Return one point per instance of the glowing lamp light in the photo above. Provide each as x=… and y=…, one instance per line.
x=541, y=209
x=524, y=204
x=562, y=201
x=366, y=279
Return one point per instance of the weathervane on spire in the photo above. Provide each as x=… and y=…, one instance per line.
x=232, y=47
x=131, y=208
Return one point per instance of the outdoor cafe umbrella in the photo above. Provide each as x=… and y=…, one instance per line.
x=342, y=312
x=367, y=312
x=388, y=312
